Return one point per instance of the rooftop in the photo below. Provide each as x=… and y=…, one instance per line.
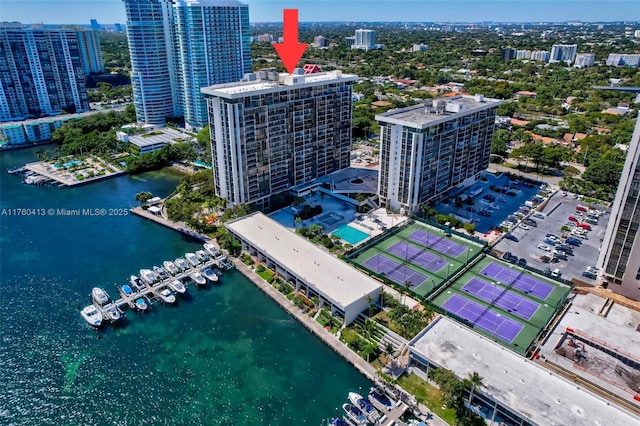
x=157, y=136
x=327, y=274
x=437, y=110
x=513, y=381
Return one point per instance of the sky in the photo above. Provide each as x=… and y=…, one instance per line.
x=111, y=11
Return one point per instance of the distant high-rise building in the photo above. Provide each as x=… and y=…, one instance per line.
x=619, y=259
x=179, y=46
x=447, y=28
x=540, y=55
x=523, y=54
x=265, y=38
x=95, y=25
x=508, y=53
x=419, y=48
x=623, y=60
x=42, y=72
x=89, y=41
x=563, y=53
x=585, y=60
x=319, y=41
x=213, y=45
x=350, y=41
x=117, y=27
x=426, y=150
x=365, y=40
x=273, y=131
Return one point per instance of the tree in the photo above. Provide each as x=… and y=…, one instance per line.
x=297, y=221
x=470, y=228
x=499, y=144
x=143, y=197
x=475, y=380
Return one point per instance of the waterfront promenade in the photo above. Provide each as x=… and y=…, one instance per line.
x=181, y=227
x=67, y=178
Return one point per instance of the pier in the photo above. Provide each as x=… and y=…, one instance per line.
x=181, y=227
x=46, y=171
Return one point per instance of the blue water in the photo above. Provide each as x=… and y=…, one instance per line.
x=202, y=164
x=350, y=234
x=226, y=355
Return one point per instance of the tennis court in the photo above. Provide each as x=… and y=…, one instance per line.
x=483, y=317
x=400, y=274
x=502, y=298
x=438, y=243
x=419, y=257
x=519, y=280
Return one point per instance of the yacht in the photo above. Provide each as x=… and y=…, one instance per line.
x=192, y=259
x=136, y=283
x=160, y=272
x=149, y=276
x=182, y=264
x=141, y=304
x=170, y=267
x=365, y=405
x=211, y=249
x=202, y=255
x=126, y=290
x=177, y=286
x=113, y=313
x=92, y=315
x=210, y=275
x=167, y=296
x=99, y=296
x=355, y=414
x=198, y=278
x=383, y=399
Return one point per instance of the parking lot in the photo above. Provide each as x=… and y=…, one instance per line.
x=553, y=217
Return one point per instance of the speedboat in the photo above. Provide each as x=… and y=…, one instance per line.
x=167, y=296
x=365, y=405
x=177, y=286
x=182, y=264
x=383, y=399
x=149, y=276
x=136, y=283
x=414, y=422
x=141, y=304
x=92, y=315
x=202, y=255
x=211, y=249
x=160, y=272
x=126, y=290
x=198, y=278
x=113, y=313
x=192, y=259
x=355, y=414
x=170, y=267
x=338, y=422
x=210, y=275
x=99, y=296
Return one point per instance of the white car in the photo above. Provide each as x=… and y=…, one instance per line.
x=592, y=269
x=544, y=247
x=525, y=227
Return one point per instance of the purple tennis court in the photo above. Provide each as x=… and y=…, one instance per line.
x=517, y=280
x=419, y=257
x=400, y=274
x=502, y=298
x=437, y=243
x=488, y=320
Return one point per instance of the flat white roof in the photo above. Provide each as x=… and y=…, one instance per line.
x=327, y=274
x=157, y=137
x=515, y=382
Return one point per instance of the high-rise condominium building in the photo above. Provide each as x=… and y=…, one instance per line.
x=179, y=46
x=623, y=60
x=272, y=131
x=365, y=40
x=426, y=150
x=619, y=259
x=213, y=44
x=41, y=72
x=585, y=60
x=540, y=55
x=89, y=41
x=563, y=53
x=319, y=41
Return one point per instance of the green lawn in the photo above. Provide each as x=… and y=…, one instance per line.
x=266, y=275
x=428, y=395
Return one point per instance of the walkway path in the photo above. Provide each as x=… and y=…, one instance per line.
x=178, y=226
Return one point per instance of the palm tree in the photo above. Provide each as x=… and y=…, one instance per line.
x=476, y=382
x=297, y=221
x=370, y=302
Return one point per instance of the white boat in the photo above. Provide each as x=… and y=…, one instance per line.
x=355, y=414
x=149, y=276
x=202, y=255
x=99, y=296
x=160, y=272
x=192, y=259
x=365, y=405
x=92, y=315
x=167, y=296
x=113, y=313
x=181, y=264
x=141, y=304
x=198, y=278
x=414, y=422
x=211, y=249
x=136, y=283
x=170, y=267
x=210, y=275
x=177, y=286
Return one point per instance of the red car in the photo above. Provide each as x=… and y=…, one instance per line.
x=581, y=209
x=573, y=219
x=585, y=226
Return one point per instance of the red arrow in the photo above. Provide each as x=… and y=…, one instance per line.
x=290, y=51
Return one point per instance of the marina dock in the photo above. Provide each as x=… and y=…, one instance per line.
x=181, y=227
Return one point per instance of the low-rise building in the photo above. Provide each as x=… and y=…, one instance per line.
x=344, y=290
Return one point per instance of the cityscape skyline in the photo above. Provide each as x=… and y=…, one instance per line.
x=110, y=11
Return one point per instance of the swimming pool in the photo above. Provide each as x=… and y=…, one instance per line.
x=350, y=234
x=201, y=164
x=68, y=164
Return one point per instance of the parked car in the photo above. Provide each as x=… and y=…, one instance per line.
x=552, y=237
x=582, y=209
x=591, y=221
x=566, y=248
x=544, y=247
x=539, y=215
x=589, y=274
x=573, y=241
x=525, y=227
x=560, y=256
x=592, y=269
x=510, y=257
x=573, y=219
x=556, y=273
x=511, y=237
x=549, y=241
x=530, y=222
x=585, y=226
x=522, y=261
